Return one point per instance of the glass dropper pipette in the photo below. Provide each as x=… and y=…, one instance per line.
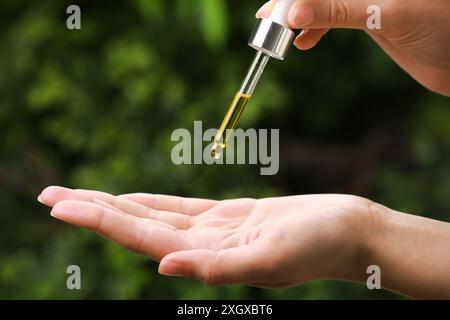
x=271, y=38
x=239, y=103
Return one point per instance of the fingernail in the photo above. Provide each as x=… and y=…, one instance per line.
x=303, y=32
x=62, y=209
x=301, y=16
x=170, y=268
x=40, y=199
x=297, y=41
x=55, y=214
x=262, y=10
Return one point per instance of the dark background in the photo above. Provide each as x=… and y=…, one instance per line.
x=95, y=109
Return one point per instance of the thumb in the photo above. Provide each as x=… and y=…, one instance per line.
x=325, y=14
x=330, y=13
x=229, y=266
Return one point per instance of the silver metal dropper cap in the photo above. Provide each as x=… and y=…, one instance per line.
x=271, y=38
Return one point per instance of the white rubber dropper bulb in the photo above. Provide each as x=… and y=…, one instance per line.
x=280, y=12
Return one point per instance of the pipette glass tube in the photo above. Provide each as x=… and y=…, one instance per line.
x=238, y=104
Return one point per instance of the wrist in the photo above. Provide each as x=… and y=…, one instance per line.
x=363, y=232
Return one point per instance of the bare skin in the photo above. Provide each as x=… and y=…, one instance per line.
x=275, y=242
x=415, y=34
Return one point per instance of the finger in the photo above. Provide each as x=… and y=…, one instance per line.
x=330, y=13
x=309, y=38
x=150, y=221
x=245, y=264
x=265, y=10
x=131, y=232
x=52, y=195
x=179, y=221
x=187, y=206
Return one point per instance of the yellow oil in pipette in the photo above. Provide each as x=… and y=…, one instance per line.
x=229, y=124
x=238, y=105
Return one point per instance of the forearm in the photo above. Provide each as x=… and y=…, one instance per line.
x=413, y=253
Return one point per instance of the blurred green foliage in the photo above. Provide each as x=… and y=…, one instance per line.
x=95, y=109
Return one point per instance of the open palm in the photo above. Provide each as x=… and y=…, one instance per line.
x=269, y=242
